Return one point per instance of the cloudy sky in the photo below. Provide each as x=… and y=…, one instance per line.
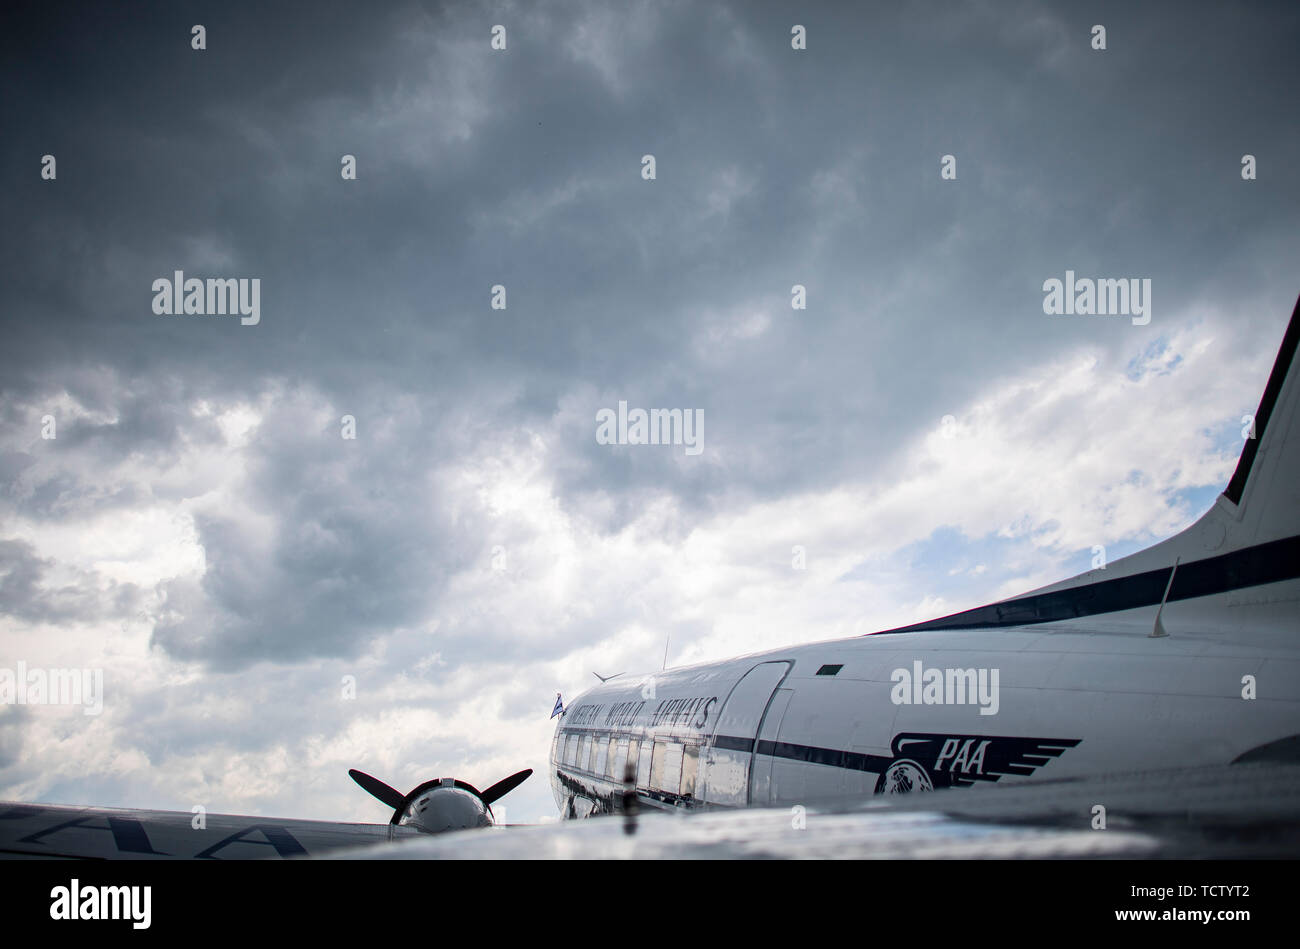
x=201, y=531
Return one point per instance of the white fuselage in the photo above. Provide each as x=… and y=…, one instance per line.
x=928, y=709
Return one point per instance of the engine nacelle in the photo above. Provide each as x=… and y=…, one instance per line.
x=438, y=806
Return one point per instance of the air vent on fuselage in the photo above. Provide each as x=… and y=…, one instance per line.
x=829, y=669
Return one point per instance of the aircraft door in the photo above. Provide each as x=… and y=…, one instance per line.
x=728, y=765
x=761, y=792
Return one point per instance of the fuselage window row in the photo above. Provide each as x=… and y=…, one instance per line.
x=669, y=767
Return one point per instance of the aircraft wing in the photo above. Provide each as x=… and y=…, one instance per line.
x=106, y=833
x=1241, y=811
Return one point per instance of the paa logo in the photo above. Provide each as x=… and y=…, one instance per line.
x=923, y=762
x=904, y=777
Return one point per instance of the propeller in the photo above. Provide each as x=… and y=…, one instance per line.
x=389, y=795
x=397, y=800
x=504, y=786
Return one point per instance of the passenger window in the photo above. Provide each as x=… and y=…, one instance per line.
x=571, y=749
x=598, y=755
x=666, y=767
x=657, y=765
x=617, y=758
x=643, y=766
x=690, y=767
x=672, y=776
x=584, y=753
x=633, y=754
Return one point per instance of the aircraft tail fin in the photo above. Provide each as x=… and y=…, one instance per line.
x=1250, y=537
x=1265, y=488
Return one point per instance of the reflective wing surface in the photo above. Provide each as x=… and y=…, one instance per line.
x=1235, y=811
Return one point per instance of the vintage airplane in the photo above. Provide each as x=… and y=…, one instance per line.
x=1183, y=655
x=1171, y=664
x=50, y=830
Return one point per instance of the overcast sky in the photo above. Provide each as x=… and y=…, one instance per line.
x=201, y=531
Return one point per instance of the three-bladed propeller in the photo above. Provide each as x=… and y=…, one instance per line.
x=397, y=800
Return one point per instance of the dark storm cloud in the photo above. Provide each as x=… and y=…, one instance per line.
x=329, y=541
x=522, y=168
x=100, y=458
x=27, y=592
